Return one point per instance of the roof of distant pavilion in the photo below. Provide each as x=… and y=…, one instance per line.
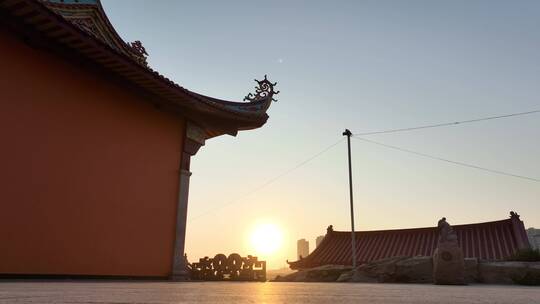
x=490, y=241
x=80, y=30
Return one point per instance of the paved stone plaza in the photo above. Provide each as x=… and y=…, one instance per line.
x=227, y=292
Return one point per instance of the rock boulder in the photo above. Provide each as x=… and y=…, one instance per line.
x=393, y=270
x=414, y=270
x=471, y=270
x=526, y=273
x=326, y=273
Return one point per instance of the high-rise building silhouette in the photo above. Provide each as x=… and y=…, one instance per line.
x=534, y=237
x=302, y=248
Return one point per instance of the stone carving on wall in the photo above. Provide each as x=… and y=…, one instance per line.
x=448, y=262
x=233, y=268
x=446, y=233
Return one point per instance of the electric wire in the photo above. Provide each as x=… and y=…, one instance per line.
x=447, y=160
x=269, y=181
x=446, y=124
x=357, y=136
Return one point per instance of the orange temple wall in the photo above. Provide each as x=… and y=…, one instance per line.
x=89, y=175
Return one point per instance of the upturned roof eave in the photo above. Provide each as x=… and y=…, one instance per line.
x=54, y=27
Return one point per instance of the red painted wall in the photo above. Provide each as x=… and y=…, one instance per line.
x=89, y=171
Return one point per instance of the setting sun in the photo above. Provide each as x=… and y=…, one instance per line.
x=266, y=238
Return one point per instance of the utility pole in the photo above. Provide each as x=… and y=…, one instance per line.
x=353, y=237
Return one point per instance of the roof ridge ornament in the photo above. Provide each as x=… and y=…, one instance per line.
x=263, y=90
x=138, y=50
x=514, y=214
x=330, y=229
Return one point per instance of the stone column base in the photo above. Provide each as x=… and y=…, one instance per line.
x=182, y=276
x=448, y=265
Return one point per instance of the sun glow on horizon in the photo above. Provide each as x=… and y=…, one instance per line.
x=266, y=238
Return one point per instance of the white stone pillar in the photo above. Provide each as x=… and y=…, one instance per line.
x=179, y=265
x=194, y=139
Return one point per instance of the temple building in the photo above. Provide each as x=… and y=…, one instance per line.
x=489, y=241
x=96, y=146
x=319, y=240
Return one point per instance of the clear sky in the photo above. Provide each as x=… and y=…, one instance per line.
x=362, y=65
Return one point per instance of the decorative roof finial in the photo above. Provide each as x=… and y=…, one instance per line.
x=264, y=89
x=330, y=229
x=138, y=50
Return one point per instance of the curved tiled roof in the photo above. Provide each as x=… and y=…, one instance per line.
x=82, y=28
x=90, y=17
x=491, y=241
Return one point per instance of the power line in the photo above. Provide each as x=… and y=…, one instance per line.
x=448, y=161
x=446, y=124
x=356, y=136
x=270, y=181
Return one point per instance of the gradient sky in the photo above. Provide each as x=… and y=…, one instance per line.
x=362, y=65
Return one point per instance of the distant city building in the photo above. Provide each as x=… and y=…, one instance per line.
x=302, y=248
x=534, y=237
x=318, y=240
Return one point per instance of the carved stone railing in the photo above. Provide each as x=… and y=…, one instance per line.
x=233, y=268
